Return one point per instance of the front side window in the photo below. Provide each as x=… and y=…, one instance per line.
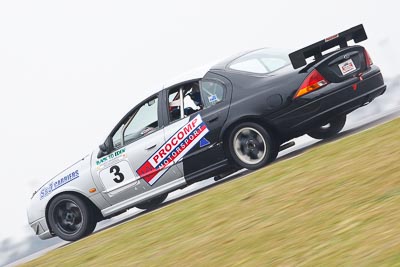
x=262, y=61
x=143, y=122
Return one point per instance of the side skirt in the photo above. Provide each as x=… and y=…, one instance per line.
x=210, y=171
x=124, y=205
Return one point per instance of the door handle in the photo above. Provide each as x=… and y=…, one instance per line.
x=213, y=119
x=150, y=147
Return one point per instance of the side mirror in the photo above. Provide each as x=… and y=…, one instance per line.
x=102, y=151
x=105, y=148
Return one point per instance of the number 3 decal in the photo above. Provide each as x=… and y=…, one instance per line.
x=119, y=177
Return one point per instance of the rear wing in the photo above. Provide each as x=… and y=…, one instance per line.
x=298, y=58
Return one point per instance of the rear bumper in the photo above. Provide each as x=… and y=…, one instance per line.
x=41, y=229
x=318, y=107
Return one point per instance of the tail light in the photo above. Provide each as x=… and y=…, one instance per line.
x=368, y=59
x=313, y=82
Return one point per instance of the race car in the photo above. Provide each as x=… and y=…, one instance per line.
x=235, y=114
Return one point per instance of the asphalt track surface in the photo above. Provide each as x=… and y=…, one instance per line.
x=303, y=144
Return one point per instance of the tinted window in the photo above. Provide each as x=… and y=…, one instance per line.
x=262, y=61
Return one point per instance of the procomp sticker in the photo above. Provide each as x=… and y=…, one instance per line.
x=173, y=150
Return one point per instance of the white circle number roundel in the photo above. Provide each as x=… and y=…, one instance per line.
x=117, y=175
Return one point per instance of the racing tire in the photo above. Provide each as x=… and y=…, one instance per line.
x=251, y=146
x=332, y=128
x=70, y=217
x=152, y=203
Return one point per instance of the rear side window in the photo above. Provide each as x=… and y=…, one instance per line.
x=262, y=61
x=211, y=92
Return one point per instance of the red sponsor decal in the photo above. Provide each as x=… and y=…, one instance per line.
x=173, y=150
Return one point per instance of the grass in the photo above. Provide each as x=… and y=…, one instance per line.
x=336, y=205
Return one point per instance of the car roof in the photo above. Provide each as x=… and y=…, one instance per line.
x=194, y=74
x=199, y=72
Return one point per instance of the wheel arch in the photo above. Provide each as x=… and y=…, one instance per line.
x=90, y=203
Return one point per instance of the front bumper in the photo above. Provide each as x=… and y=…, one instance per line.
x=41, y=228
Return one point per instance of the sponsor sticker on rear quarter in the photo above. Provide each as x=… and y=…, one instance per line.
x=347, y=66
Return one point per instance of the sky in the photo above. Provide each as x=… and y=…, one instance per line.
x=69, y=70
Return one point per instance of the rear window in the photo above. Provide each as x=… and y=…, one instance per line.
x=261, y=61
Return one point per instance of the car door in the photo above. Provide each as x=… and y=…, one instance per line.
x=215, y=95
x=120, y=173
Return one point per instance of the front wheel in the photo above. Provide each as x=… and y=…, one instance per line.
x=332, y=128
x=70, y=217
x=251, y=146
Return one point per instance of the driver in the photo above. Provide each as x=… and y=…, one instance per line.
x=195, y=96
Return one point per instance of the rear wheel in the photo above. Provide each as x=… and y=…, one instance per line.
x=332, y=128
x=70, y=217
x=251, y=146
x=152, y=203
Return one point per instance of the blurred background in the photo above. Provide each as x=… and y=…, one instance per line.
x=69, y=70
